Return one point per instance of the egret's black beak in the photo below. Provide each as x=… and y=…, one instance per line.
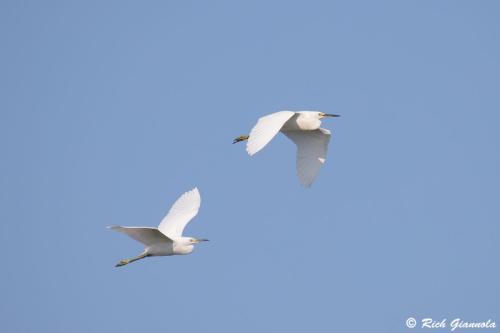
x=202, y=240
x=331, y=115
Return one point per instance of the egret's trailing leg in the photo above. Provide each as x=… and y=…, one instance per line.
x=128, y=261
x=241, y=138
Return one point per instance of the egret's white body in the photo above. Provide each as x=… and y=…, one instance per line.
x=167, y=239
x=303, y=128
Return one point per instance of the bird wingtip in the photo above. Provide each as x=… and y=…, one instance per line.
x=250, y=151
x=195, y=191
x=306, y=183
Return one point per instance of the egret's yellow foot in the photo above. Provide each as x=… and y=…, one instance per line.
x=240, y=138
x=122, y=263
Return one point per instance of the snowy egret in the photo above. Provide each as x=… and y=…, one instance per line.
x=167, y=239
x=303, y=128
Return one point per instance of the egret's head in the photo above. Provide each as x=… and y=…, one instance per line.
x=323, y=115
x=196, y=241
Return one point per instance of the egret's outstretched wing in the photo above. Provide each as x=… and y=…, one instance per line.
x=183, y=210
x=266, y=128
x=145, y=235
x=312, y=147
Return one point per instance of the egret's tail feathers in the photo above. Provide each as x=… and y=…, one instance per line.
x=240, y=138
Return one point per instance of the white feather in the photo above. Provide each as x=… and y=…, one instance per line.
x=145, y=235
x=182, y=211
x=312, y=147
x=266, y=129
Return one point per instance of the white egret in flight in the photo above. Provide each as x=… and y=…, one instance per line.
x=167, y=239
x=303, y=128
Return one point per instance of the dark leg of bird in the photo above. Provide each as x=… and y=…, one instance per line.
x=128, y=261
x=240, y=138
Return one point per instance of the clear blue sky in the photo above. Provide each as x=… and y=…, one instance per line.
x=109, y=110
